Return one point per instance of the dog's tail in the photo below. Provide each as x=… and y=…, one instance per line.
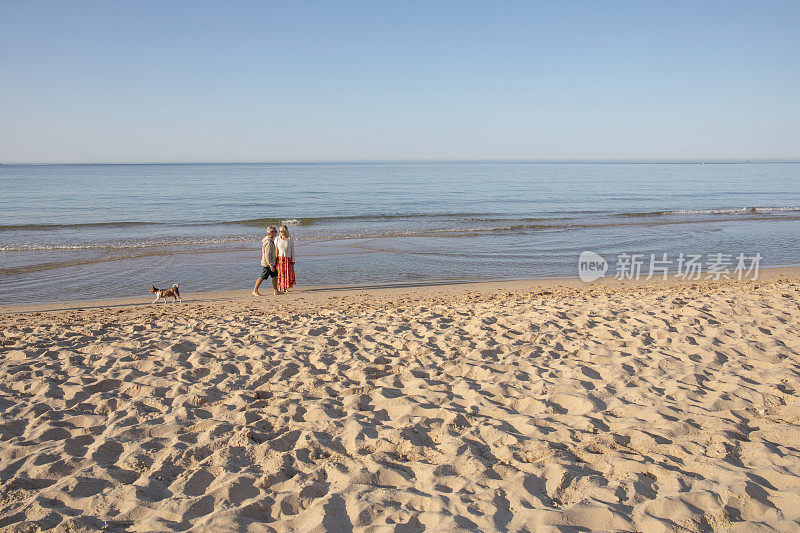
x=175, y=286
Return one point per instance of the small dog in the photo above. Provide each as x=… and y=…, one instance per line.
x=164, y=293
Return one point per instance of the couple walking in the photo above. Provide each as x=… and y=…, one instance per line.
x=277, y=260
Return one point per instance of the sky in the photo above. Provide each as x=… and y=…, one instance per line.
x=229, y=81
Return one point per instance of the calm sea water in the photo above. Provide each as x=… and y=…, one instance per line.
x=83, y=231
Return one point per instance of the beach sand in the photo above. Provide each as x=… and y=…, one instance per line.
x=538, y=406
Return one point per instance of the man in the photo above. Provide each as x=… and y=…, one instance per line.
x=269, y=258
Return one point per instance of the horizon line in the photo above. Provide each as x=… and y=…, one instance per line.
x=411, y=161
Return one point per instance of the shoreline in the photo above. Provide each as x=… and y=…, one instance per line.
x=418, y=288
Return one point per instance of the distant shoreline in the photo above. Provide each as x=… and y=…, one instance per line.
x=428, y=162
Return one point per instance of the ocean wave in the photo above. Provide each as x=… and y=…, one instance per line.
x=308, y=221
x=515, y=219
x=50, y=227
x=264, y=222
x=337, y=225
x=255, y=241
x=724, y=211
x=126, y=245
x=513, y=227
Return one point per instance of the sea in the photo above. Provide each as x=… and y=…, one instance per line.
x=78, y=232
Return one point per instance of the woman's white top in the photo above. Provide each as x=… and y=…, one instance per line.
x=285, y=246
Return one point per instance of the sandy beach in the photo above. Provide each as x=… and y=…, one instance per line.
x=520, y=406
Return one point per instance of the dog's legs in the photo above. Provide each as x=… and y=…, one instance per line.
x=154, y=301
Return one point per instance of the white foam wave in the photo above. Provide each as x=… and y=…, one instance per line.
x=732, y=211
x=34, y=247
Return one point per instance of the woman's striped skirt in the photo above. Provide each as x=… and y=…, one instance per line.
x=285, y=273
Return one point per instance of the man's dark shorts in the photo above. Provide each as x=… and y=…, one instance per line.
x=267, y=272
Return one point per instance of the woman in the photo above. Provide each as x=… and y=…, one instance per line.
x=285, y=245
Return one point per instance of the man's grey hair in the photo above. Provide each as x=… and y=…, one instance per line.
x=270, y=229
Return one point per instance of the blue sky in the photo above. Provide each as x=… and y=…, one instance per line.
x=322, y=81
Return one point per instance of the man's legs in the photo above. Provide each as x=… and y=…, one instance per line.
x=258, y=284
